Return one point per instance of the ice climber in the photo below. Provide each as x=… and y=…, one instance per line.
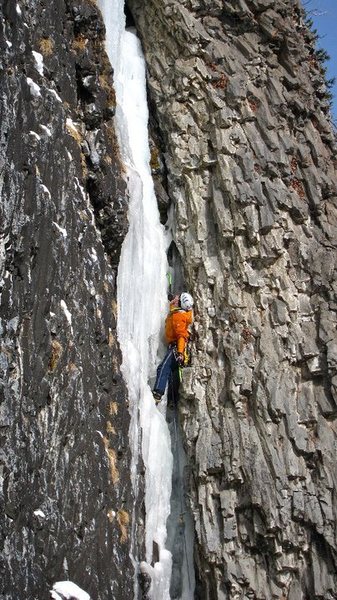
x=177, y=325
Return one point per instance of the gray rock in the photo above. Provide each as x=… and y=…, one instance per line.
x=63, y=400
x=268, y=360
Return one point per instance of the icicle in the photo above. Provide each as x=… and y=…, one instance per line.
x=141, y=293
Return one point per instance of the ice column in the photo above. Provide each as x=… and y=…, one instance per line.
x=141, y=292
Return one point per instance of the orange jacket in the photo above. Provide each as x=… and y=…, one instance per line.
x=176, y=327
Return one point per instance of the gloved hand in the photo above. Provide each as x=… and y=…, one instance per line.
x=180, y=359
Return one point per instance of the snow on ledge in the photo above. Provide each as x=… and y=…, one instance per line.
x=38, y=61
x=67, y=590
x=36, y=135
x=54, y=94
x=34, y=88
x=61, y=230
x=45, y=189
x=66, y=312
x=45, y=129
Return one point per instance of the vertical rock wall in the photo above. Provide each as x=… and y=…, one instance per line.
x=241, y=106
x=65, y=496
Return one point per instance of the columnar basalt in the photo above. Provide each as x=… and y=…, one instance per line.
x=241, y=105
x=66, y=496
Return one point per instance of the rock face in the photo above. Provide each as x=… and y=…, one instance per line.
x=240, y=102
x=242, y=149
x=66, y=493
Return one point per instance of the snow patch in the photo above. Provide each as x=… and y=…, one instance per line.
x=93, y=255
x=61, y=229
x=45, y=189
x=38, y=62
x=12, y=325
x=36, y=135
x=66, y=312
x=39, y=513
x=34, y=88
x=45, y=129
x=18, y=10
x=71, y=126
x=9, y=44
x=67, y=590
x=81, y=188
x=55, y=94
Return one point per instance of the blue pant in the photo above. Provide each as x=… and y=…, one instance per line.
x=164, y=370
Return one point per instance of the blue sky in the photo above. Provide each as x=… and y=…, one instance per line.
x=324, y=15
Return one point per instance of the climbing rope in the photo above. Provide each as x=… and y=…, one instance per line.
x=182, y=504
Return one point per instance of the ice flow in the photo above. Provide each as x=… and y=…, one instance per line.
x=141, y=294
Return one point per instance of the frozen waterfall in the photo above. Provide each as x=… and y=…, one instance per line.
x=141, y=294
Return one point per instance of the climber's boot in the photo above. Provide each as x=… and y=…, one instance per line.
x=157, y=396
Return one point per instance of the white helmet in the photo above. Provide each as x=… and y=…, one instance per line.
x=186, y=301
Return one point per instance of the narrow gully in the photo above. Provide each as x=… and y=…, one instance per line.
x=142, y=302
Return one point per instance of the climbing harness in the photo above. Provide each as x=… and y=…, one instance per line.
x=186, y=362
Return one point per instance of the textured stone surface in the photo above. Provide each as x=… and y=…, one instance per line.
x=250, y=164
x=65, y=496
